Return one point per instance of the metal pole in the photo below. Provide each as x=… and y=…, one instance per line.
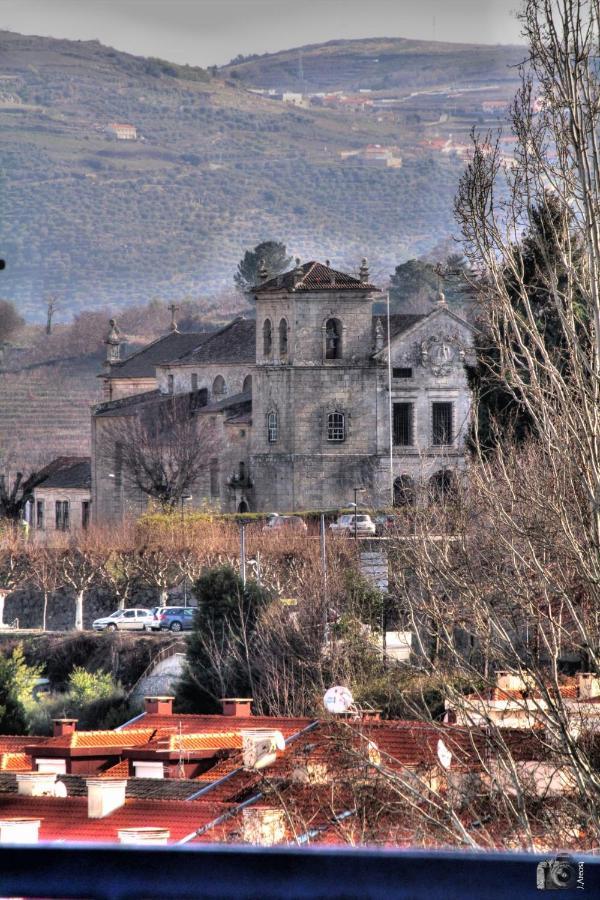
x=182, y=511
x=324, y=563
x=355, y=522
x=258, y=581
x=243, y=553
x=391, y=424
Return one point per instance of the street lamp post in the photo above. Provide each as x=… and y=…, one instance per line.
x=184, y=499
x=357, y=490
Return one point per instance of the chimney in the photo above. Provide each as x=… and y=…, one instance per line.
x=63, y=726
x=236, y=706
x=19, y=831
x=588, y=685
x=104, y=796
x=36, y=784
x=158, y=706
x=144, y=835
x=370, y=715
x=513, y=681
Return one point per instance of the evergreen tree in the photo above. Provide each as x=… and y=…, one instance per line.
x=539, y=261
x=12, y=713
x=272, y=253
x=217, y=659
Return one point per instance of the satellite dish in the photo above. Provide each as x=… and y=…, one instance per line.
x=338, y=700
x=444, y=755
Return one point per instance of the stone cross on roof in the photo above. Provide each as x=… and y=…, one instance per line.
x=173, y=308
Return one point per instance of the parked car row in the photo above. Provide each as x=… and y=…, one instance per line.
x=159, y=618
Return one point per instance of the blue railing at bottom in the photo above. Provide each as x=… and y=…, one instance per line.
x=216, y=871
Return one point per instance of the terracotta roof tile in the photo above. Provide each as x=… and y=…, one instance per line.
x=315, y=277
x=119, y=770
x=66, y=819
x=224, y=740
x=204, y=724
x=15, y=762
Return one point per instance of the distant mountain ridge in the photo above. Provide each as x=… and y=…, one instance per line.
x=215, y=168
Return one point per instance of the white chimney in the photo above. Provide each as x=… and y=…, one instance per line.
x=263, y=825
x=36, y=784
x=145, y=835
x=19, y=831
x=104, y=796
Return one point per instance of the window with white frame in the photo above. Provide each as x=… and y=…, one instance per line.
x=272, y=427
x=336, y=426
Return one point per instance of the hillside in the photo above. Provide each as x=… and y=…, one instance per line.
x=215, y=168
x=379, y=64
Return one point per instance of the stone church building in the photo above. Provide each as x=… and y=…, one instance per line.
x=301, y=402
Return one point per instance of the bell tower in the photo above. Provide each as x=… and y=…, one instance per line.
x=314, y=342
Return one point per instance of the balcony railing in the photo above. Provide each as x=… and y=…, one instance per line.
x=211, y=871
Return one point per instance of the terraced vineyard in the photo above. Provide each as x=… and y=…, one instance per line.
x=215, y=170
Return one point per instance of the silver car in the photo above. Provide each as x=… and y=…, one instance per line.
x=125, y=620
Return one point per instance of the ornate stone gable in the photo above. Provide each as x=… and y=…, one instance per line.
x=441, y=354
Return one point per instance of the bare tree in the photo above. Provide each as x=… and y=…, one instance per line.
x=44, y=573
x=165, y=448
x=81, y=563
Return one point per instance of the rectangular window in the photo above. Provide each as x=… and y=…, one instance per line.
x=39, y=515
x=403, y=424
x=214, y=478
x=194, y=381
x=62, y=515
x=85, y=513
x=401, y=373
x=336, y=427
x=170, y=384
x=272, y=428
x=441, y=420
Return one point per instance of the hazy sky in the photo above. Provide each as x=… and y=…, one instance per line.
x=206, y=32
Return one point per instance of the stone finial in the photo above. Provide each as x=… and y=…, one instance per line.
x=379, y=336
x=298, y=273
x=173, y=308
x=364, y=270
x=328, y=263
x=263, y=272
x=441, y=298
x=113, y=343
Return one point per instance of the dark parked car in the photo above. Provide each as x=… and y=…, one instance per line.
x=174, y=618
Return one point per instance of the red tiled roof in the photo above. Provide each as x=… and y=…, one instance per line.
x=225, y=740
x=12, y=743
x=89, y=740
x=315, y=276
x=15, y=762
x=119, y=770
x=197, y=725
x=66, y=819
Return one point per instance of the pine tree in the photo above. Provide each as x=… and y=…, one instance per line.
x=272, y=253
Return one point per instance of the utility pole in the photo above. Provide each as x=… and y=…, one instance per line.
x=324, y=570
x=243, y=553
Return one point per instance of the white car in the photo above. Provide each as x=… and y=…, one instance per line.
x=346, y=524
x=125, y=620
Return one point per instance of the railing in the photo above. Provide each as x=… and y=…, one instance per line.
x=178, y=646
x=212, y=871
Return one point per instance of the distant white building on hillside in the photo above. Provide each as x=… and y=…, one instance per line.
x=122, y=131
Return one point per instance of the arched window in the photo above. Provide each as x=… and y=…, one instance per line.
x=272, y=427
x=333, y=339
x=442, y=486
x=336, y=426
x=267, y=338
x=247, y=385
x=219, y=387
x=283, y=338
x=242, y=507
x=404, y=491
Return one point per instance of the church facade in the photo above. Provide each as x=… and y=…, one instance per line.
x=307, y=402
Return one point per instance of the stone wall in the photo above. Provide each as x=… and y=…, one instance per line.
x=27, y=607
